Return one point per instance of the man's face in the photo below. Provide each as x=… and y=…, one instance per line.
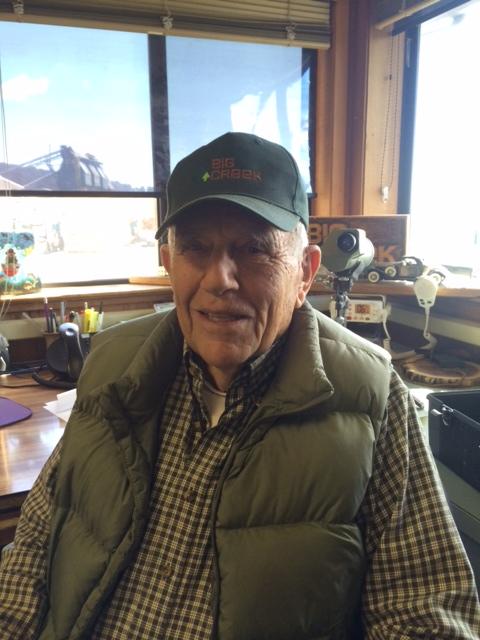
x=236, y=282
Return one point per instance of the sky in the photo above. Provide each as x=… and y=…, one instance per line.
x=445, y=206
x=83, y=88
x=89, y=89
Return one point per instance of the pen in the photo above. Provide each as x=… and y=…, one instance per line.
x=77, y=320
x=46, y=314
x=99, y=318
x=86, y=318
x=53, y=325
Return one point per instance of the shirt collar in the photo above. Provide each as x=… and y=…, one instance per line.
x=251, y=381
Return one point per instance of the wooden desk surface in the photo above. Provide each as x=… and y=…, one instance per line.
x=26, y=445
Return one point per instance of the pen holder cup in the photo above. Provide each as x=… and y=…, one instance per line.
x=85, y=341
x=50, y=337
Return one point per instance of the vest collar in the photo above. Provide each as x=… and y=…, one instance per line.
x=300, y=381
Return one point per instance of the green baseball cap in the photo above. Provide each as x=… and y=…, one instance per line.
x=242, y=168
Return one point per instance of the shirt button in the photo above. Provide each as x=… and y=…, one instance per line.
x=190, y=495
x=165, y=571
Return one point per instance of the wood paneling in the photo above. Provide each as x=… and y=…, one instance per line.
x=332, y=109
x=342, y=108
x=382, y=141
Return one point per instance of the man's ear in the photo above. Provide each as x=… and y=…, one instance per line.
x=165, y=256
x=312, y=257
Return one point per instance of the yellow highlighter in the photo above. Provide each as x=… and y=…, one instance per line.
x=92, y=327
x=86, y=320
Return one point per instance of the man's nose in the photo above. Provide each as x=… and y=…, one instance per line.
x=220, y=273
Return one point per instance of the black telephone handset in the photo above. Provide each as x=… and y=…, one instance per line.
x=65, y=358
x=71, y=338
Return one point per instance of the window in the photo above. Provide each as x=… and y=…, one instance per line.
x=77, y=108
x=218, y=86
x=443, y=174
x=93, y=122
x=84, y=239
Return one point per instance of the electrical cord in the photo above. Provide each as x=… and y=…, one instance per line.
x=17, y=374
x=53, y=383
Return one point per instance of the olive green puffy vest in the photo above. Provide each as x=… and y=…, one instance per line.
x=289, y=559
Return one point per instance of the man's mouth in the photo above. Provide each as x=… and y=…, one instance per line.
x=222, y=317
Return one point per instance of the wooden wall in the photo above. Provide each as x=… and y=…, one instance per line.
x=359, y=84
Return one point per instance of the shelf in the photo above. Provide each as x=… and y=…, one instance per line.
x=391, y=288
x=114, y=297
x=401, y=288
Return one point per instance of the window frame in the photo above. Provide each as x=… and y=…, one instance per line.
x=160, y=138
x=410, y=27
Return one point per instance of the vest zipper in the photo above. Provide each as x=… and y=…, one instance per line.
x=256, y=420
x=213, y=514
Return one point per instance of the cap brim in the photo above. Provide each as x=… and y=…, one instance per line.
x=275, y=215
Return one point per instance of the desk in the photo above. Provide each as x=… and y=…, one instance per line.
x=24, y=448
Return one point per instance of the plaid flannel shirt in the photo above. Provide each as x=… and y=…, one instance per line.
x=419, y=583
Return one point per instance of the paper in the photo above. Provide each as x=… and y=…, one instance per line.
x=62, y=406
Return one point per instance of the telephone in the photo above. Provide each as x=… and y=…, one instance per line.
x=4, y=357
x=65, y=357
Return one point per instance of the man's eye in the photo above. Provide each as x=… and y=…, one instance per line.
x=254, y=249
x=193, y=246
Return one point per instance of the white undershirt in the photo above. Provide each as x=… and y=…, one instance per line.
x=214, y=402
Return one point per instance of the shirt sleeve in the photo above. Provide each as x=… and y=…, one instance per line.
x=23, y=567
x=419, y=582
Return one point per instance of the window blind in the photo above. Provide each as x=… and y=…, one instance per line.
x=388, y=12
x=303, y=23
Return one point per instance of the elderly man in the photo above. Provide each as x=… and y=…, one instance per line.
x=241, y=468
